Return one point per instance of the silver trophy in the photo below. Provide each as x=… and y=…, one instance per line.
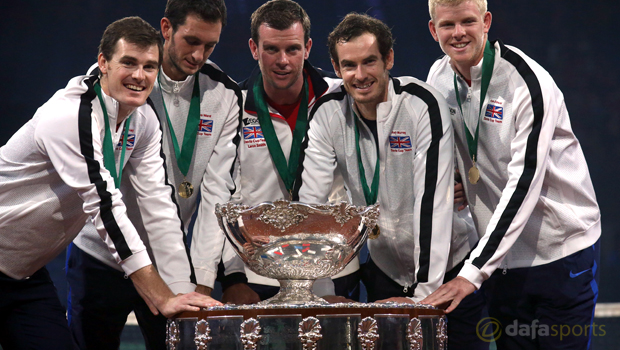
x=296, y=243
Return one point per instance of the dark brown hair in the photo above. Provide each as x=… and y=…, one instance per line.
x=356, y=24
x=134, y=30
x=280, y=15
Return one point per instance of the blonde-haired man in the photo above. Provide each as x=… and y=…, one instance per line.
x=528, y=185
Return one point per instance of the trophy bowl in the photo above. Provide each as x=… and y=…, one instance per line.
x=296, y=243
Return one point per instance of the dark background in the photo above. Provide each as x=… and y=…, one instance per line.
x=45, y=43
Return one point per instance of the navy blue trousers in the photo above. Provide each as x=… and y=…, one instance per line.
x=100, y=298
x=463, y=322
x=31, y=316
x=546, y=307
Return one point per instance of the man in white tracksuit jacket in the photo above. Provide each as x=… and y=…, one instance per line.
x=281, y=44
x=404, y=129
x=61, y=168
x=98, y=321
x=529, y=189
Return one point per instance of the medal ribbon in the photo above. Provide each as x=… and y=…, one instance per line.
x=370, y=194
x=487, y=71
x=108, y=147
x=185, y=154
x=287, y=173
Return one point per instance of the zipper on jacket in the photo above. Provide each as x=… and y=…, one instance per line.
x=505, y=269
x=406, y=289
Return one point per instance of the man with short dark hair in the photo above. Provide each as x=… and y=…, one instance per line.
x=64, y=166
x=277, y=99
x=391, y=140
x=528, y=185
x=198, y=106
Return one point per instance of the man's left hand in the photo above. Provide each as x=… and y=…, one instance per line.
x=453, y=291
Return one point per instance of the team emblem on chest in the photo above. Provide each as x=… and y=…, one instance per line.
x=253, y=136
x=205, y=128
x=131, y=140
x=400, y=142
x=494, y=112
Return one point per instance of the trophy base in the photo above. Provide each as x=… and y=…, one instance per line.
x=295, y=292
x=342, y=326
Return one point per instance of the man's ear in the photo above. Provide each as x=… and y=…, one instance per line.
x=253, y=49
x=336, y=69
x=308, y=47
x=433, y=30
x=166, y=28
x=102, y=63
x=488, y=18
x=389, y=60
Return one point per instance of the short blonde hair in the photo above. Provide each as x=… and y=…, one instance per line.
x=432, y=4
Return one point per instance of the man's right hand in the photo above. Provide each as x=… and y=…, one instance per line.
x=159, y=297
x=186, y=302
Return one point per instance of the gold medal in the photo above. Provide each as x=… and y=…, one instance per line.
x=474, y=175
x=186, y=189
x=376, y=232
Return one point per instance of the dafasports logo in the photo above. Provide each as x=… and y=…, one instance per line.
x=490, y=329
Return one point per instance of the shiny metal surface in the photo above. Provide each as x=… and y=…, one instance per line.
x=296, y=243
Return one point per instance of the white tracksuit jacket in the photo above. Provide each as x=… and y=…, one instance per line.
x=210, y=171
x=256, y=177
x=52, y=179
x=416, y=176
x=534, y=203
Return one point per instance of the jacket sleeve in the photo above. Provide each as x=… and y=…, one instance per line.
x=216, y=188
x=433, y=194
x=537, y=106
x=320, y=160
x=158, y=208
x=75, y=150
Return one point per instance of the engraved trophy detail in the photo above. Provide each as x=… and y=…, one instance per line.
x=309, y=333
x=296, y=243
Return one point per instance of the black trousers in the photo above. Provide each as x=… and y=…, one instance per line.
x=31, y=316
x=100, y=299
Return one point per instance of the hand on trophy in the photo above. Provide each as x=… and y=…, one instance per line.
x=159, y=297
x=453, y=291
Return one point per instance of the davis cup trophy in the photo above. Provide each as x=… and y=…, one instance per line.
x=296, y=244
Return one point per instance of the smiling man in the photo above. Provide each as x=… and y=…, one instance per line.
x=391, y=140
x=277, y=98
x=199, y=110
x=528, y=188
x=62, y=167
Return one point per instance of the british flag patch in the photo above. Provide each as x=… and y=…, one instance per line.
x=206, y=125
x=131, y=140
x=494, y=112
x=252, y=132
x=400, y=142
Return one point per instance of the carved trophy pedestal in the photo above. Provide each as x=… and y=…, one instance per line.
x=345, y=326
